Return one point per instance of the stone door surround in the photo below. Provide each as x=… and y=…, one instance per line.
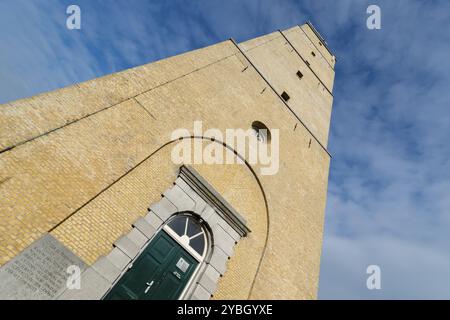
x=189, y=194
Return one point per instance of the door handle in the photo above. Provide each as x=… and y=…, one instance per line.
x=149, y=285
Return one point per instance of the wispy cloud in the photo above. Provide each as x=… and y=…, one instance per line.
x=38, y=53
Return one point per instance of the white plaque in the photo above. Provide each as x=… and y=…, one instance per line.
x=182, y=265
x=39, y=271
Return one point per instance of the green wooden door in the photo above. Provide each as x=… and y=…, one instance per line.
x=160, y=273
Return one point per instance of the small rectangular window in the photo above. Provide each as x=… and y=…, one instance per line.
x=313, y=53
x=285, y=96
x=299, y=74
x=307, y=62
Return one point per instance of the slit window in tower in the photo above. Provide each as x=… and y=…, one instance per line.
x=285, y=96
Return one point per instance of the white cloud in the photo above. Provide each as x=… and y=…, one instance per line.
x=389, y=189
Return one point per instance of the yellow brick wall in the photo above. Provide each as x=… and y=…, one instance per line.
x=108, y=158
x=320, y=64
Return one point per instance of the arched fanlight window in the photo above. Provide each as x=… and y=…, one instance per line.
x=189, y=233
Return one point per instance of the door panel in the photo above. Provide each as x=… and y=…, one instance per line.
x=176, y=274
x=161, y=272
x=162, y=248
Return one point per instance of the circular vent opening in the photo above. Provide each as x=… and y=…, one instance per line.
x=261, y=131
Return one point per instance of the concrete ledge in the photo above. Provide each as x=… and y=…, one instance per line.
x=163, y=208
x=226, y=226
x=107, y=269
x=228, y=229
x=118, y=258
x=210, y=279
x=146, y=228
x=180, y=199
x=137, y=237
x=204, y=190
x=219, y=260
x=200, y=204
x=153, y=220
x=200, y=293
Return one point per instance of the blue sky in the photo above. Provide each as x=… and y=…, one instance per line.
x=389, y=191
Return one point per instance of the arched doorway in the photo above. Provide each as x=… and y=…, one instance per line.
x=167, y=264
